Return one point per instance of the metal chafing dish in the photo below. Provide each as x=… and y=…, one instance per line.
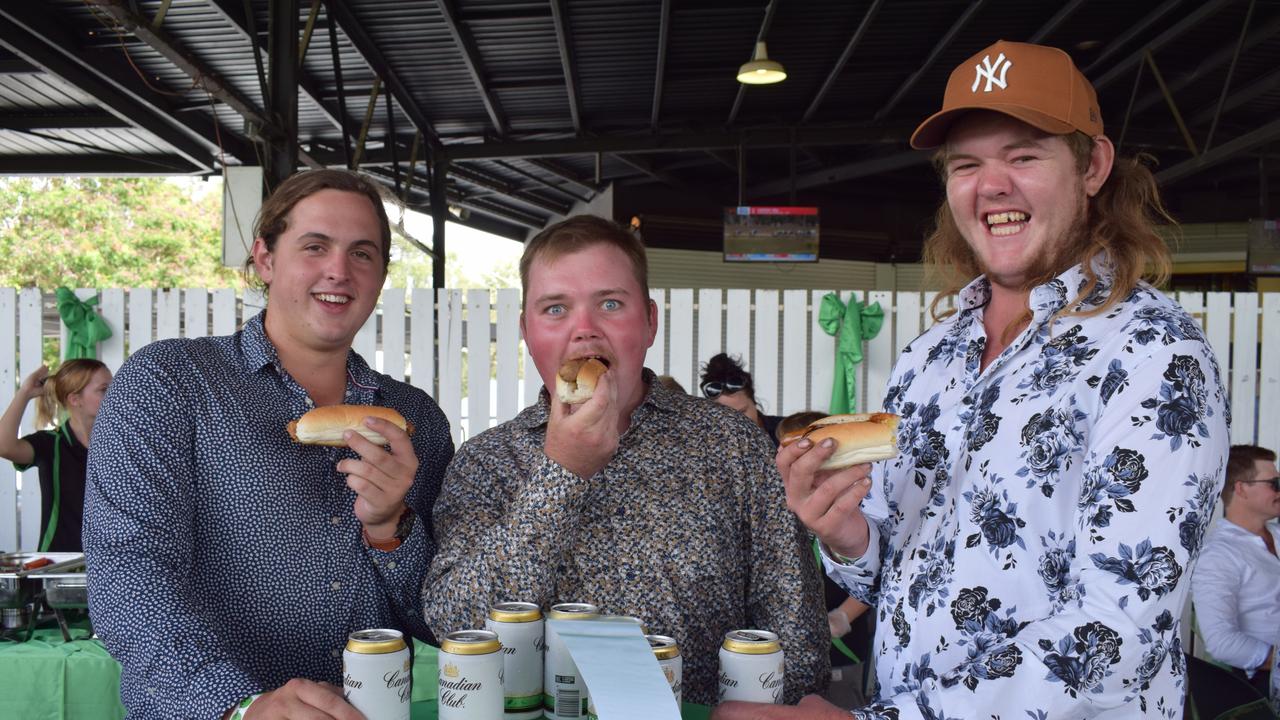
x=62, y=578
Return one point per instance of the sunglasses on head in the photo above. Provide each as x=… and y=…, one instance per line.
x=1273, y=482
x=715, y=388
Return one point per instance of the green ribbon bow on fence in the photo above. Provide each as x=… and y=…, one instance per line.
x=850, y=326
x=85, y=327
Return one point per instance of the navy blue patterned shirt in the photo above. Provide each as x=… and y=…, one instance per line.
x=225, y=559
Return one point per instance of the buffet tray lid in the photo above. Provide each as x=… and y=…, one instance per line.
x=11, y=563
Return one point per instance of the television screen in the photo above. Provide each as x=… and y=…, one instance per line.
x=1264, y=247
x=770, y=234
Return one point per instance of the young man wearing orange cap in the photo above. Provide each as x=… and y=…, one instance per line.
x=1063, y=431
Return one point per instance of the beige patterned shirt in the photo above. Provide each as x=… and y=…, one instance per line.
x=686, y=528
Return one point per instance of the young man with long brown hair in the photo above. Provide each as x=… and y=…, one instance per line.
x=1063, y=432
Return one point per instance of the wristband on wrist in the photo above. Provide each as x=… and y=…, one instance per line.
x=242, y=708
x=404, y=526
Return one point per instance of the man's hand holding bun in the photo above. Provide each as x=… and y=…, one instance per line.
x=583, y=438
x=823, y=489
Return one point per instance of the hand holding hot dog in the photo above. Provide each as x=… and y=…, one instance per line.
x=583, y=437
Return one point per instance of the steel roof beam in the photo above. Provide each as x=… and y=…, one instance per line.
x=760, y=37
x=471, y=57
x=560, y=16
x=1246, y=94
x=61, y=120
x=34, y=38
x=486, y=223
x=647, y=167
x=233, y=13
x=542, y=181
x=563, y=173
x=1050, y=27
x=664, y=34
x=100, y=164
x=763, y=137
x=1190, y=21
x=477, y=177
x=927, y=65
x=841, y=173
x=368, y=50
x=1226, y=151
x=852, y=45
x=1133, y=31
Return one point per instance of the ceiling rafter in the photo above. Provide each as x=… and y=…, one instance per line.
x=36, y=40
x=1188, y=22
x=760, y=37
x=471, y=58
x=1055, y=22
x=476, y=176
x=854, y=41
x=61, y=120
x=1221, y=153
x=560, y=17
x=233, y=13
x=927, y=65
x=664, y=35
x=194, y=68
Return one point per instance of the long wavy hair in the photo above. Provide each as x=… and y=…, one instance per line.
x=1119, y=224
x=71, y=378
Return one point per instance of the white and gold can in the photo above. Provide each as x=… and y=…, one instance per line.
x=519, y=626
x=564, y=694
x=376, y=674
x=470, y=679
x=667, y=652
x=751, y=667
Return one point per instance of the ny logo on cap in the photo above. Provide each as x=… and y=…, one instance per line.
x=988, y=70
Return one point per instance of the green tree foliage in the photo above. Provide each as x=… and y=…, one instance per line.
x=109, y=232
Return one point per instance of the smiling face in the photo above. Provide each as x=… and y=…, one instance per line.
x=1017, y=195
x=589, y=303
x=324, y=273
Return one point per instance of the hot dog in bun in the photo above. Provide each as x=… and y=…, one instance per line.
x=860, y=438
x=576, y=380
x=325, y=425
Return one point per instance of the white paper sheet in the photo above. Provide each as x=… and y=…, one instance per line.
x=621, y=672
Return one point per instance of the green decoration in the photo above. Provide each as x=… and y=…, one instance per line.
x=850, y=325
x=85, y=327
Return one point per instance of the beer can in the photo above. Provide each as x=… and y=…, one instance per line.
x=519, y=626
x=564, y=693
x=470, y=679
x=668, y=654
x=751, y=667
x=376, y=677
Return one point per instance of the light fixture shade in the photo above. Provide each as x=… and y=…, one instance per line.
x=761, y=70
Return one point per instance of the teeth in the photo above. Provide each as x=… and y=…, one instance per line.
x=1002, y=230
x=340, y=299
x=1006, y=217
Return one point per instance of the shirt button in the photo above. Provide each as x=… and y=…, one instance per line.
x=309, y=402
x=391, y=564
x=335, y=585
x=335, y=652
x=335, y=520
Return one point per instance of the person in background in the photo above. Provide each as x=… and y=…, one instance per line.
x=228, y=564
x=71, y=395
x=1063, y=432
x=1236, y=587
x=726, y=382
x=643, y=501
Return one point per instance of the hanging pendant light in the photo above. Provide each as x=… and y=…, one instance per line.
x=761, y=70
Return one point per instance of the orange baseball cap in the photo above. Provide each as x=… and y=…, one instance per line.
x=1036, y=84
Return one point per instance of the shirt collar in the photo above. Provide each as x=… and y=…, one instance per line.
x=656, y=396
x=260, y=352
x=1050, y=297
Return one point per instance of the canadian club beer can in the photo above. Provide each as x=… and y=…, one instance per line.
x=564, y=693
x=470, y=680
x=751, y=667
x=668, y=654
x=519, y=626
x=376, y=676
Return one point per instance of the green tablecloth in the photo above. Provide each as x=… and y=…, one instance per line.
x=48, y=679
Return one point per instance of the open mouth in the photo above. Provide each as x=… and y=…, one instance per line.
x=332, y=298
x=1007, y=223
x=603, y=360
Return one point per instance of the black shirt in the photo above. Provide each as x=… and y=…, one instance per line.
x=66, y=536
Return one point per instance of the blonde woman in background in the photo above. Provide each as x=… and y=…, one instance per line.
x=71, y=396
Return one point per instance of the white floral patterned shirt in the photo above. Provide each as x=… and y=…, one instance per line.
x=1032, y=542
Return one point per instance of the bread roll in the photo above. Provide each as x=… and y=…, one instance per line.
x=576, y=380
x=325, y=425
x=860, y=438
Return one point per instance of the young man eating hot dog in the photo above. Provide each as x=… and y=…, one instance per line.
x=1062, y=435
x=643, y=501
x=228, y=562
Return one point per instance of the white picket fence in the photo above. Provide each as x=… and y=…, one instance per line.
x=435, y=339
